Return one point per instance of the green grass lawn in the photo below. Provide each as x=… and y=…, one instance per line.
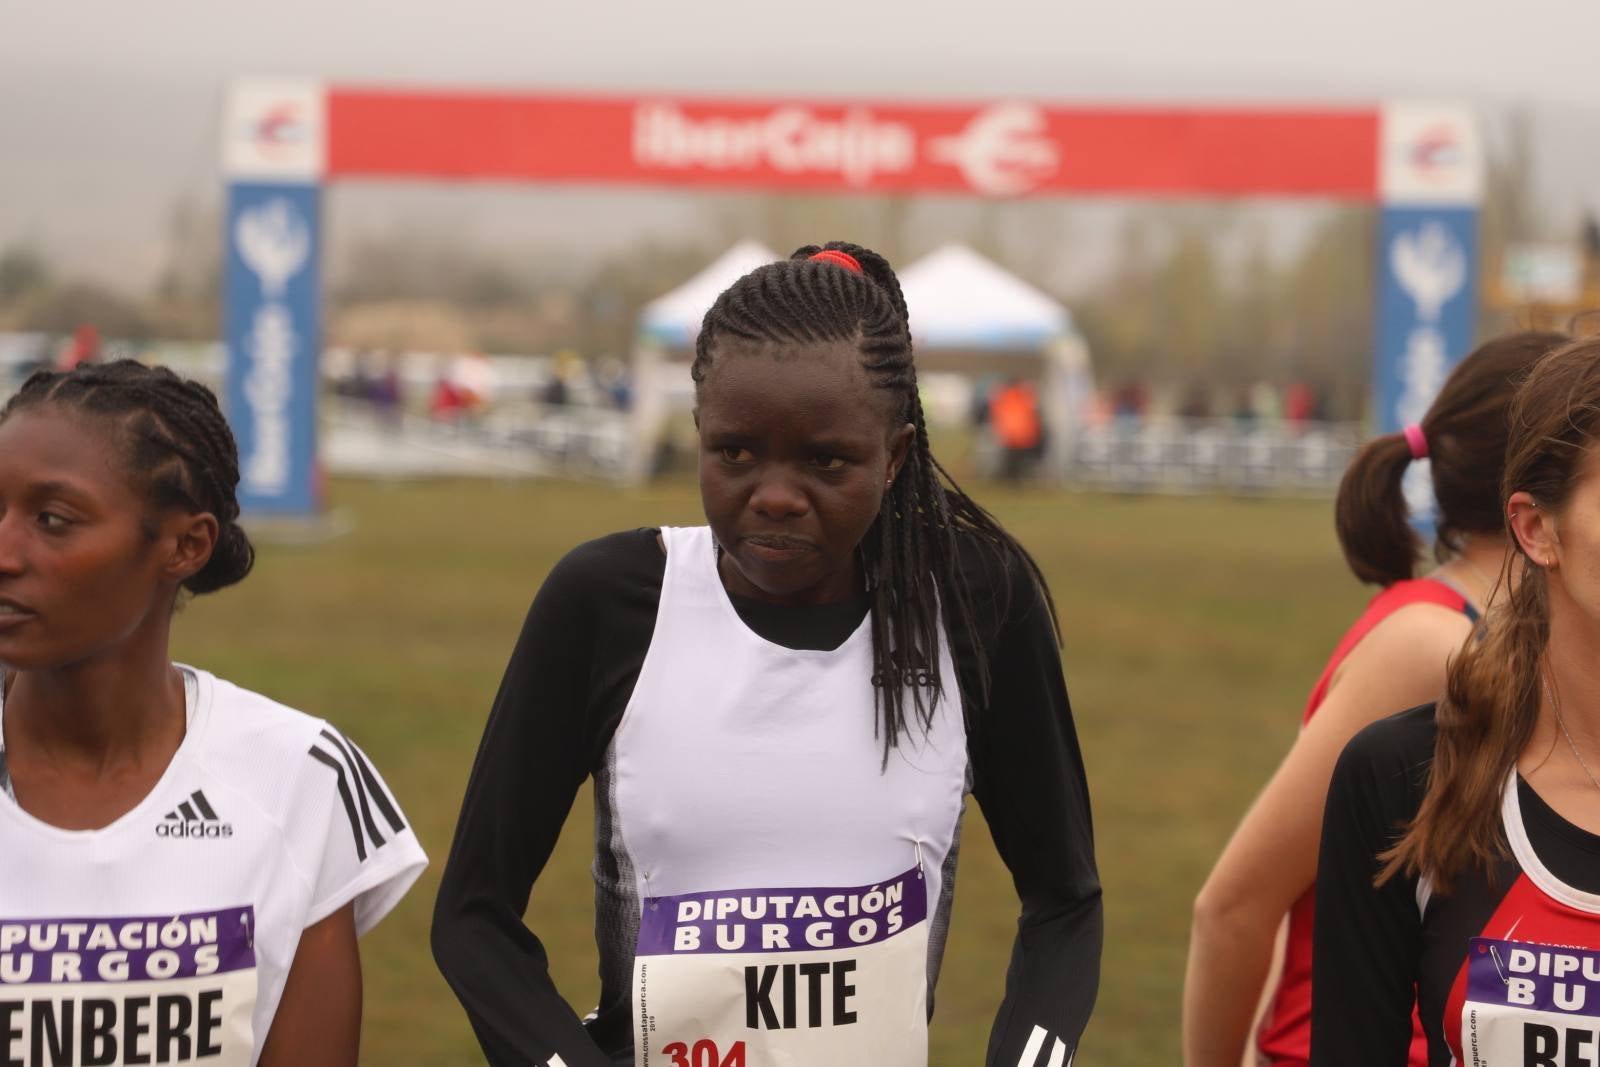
x=1194, y=628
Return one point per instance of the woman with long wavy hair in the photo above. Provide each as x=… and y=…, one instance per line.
x=1394, y=655
x=1460, y=860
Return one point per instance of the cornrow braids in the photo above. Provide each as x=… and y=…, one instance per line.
x=178, y=445
x=910, y=554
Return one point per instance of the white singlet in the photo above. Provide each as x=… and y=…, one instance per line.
x=166, y=937
x=786, y=877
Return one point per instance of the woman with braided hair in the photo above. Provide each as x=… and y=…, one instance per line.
x=187, y=865
x=782, y=711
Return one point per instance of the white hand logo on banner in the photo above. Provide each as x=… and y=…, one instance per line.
x=1426, y=366
x=1431, y=266
x=274, y=241
x=1005, y=150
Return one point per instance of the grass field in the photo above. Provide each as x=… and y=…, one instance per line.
x=1194, y=628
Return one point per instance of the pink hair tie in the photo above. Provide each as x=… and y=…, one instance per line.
x=839, y=259
x=1417, y=440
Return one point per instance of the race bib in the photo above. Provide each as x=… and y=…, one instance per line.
x=784, y=977
x=1530, y=1005
x=101, y=991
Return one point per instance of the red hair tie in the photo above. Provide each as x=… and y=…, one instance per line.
x=839, y=259
x=1417, y=440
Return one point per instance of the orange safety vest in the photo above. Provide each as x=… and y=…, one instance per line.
x=1014, y=414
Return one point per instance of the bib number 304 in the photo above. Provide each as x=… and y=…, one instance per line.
x=704, y=1054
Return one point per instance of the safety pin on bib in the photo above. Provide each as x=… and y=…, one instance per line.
x=1499, y=965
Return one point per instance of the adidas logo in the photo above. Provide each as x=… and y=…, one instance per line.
x=193, y=818
x=913, y=668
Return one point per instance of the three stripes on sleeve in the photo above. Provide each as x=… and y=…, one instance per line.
x=359, y=790
x=1033, y=1050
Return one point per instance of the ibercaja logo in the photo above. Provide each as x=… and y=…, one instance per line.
x=1005, y=150
x=1435, y=155
x=279, y=131
x=856, y=146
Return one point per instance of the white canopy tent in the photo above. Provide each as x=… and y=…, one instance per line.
x=970, y=316
x=959, y=299
x=668, y=326
x=673, y=320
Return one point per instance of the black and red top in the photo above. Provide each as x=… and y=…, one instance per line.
x=1284, y=1037
x=1505, y=969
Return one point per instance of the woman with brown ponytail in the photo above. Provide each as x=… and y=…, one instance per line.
x=1394, y=656
x=1460, y=861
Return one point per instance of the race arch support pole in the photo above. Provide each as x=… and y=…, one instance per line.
x=1427, y=305
x=273, y=157
x=1430, y=183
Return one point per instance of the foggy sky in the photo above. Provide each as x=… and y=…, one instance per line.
x=108, y=111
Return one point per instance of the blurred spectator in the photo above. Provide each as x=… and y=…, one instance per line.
x=474, y=378
x=1014, y=421
x=614, y=382
x=387, y=393
x=357, y=385
x=568, y=370
x=981, y=390
x=445, y=404
x=1102, y=409
x=554, y=392
x=1244, y=408
x=1266, y=403
x=1299, y=405
x=1196, y=403
x=1132, y=401
x=82, y=347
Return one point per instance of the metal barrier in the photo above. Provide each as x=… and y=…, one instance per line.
x=521, y=440
x=1201, y=455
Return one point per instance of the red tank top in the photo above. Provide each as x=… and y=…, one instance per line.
x=1285, y=1035
x=1522, y=993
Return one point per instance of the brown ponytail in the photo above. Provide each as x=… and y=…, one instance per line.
x=1466, y=432
x=1370, y=514
x=1491, y=701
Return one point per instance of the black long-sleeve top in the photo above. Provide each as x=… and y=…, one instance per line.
x=1382, y=952
x=568, y=682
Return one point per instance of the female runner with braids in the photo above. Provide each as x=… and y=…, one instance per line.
x=1460, y=863
x=185, y=873
x=782, y=711
x=1394, y=656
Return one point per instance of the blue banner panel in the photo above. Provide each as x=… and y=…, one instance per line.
x=274, y=332
x=1427, y=316
x=1427, y=305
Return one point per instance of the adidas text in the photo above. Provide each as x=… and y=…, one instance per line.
x=194, y=829
x=194, y=818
